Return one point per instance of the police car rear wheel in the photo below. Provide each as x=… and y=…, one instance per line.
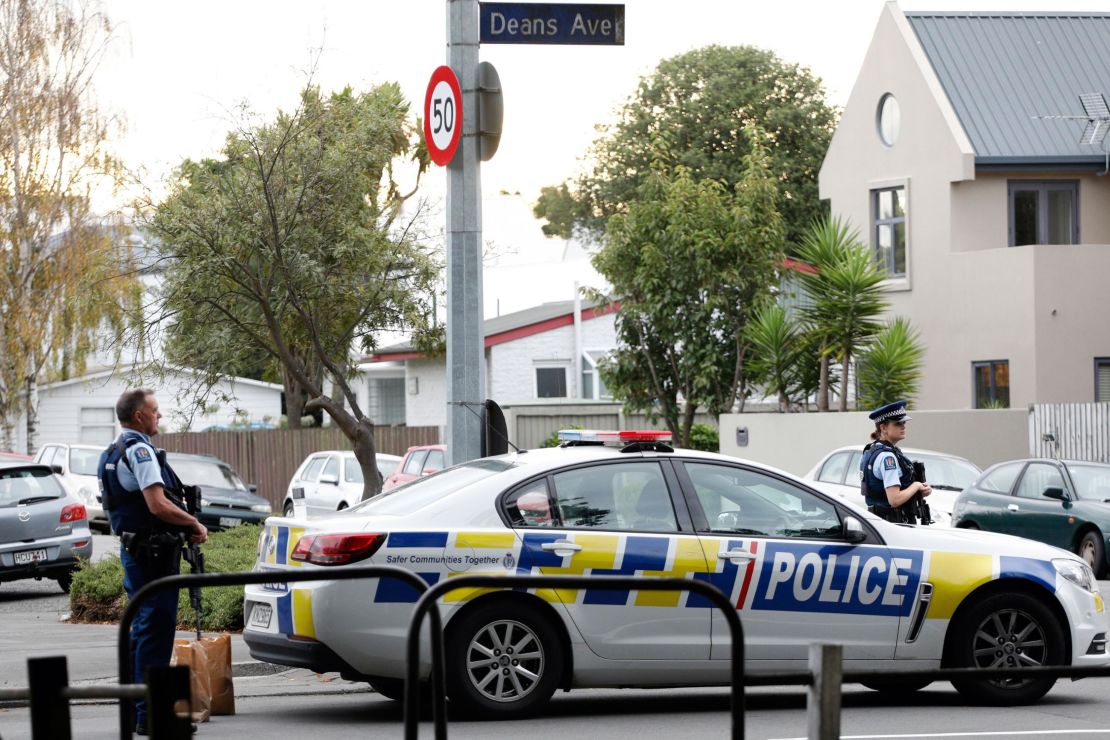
x=502, y=660
x=1008, y=631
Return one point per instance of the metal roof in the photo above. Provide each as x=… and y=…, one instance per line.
x=1000, y=70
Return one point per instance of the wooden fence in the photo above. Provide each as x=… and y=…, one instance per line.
x=1070, y=431
x=268, y=458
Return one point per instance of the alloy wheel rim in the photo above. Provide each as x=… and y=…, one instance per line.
x=1088, y=553
x=1009, y=638
x=505, y=661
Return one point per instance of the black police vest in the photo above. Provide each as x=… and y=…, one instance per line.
x=873, y=488
x=127, y=509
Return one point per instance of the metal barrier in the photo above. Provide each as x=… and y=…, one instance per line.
x=242, y=579
x=427, y=603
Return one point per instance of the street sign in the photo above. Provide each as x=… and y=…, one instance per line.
x=443, y=115
x=551, y=23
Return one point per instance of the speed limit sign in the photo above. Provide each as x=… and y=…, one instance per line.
x=443, y=115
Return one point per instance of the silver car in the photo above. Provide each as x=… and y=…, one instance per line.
x=44, y=532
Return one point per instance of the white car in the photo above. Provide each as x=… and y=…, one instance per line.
x=330, y=481
x=838, y=474
x=78, y=475
x=800, y=566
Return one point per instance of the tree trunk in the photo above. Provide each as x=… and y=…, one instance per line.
x=844, y=382
x=823, y=385
x=366, y=453
x=687, y=423
x=7, y=436
x=294, y=400
x=31, y=407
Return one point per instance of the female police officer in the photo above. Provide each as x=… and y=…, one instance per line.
x=137, y=492
x=887, y=476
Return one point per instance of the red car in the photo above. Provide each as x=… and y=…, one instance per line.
x=418, y=461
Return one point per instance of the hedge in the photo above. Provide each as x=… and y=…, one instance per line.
x=97, y=592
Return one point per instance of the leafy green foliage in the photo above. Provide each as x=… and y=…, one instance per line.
x=704, y=437
x=690, y=262
x=890, y=368
x=778, y=354
x=699, y=109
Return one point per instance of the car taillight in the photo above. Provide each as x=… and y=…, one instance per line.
x=73, y=513
x=336, y=549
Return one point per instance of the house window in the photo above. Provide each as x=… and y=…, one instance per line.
x=889, y=233
x=888, y=119
x=1102, y=379
x=1044, y=212
x=592, y=384
x=991, y=380
x=551, y=382
x=387, y=400
x=98, y=426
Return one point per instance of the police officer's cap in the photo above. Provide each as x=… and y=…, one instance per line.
x=891, y=412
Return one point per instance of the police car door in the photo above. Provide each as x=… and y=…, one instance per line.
x=784, y=562
x=616, y=518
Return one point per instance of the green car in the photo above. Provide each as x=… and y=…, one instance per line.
x=1065, y=503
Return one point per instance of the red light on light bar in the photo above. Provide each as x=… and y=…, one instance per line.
x=336, y=549
x=645, y=436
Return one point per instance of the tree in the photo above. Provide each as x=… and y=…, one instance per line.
x=890, y=368
x=690, y=262
x=697, y=107
x=62, y=275
x=777, y=354
x=294, y=245
x=846, y=299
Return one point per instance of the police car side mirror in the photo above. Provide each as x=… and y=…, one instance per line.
x=1055, y=492
x=852, y=530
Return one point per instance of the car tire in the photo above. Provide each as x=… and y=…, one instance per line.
x=1031, y=635
x=897, y=686
x=65, y=580
x=287, y=512
x=342, y=506
x=1092, y=549
x=390, y=688
x=506, y=687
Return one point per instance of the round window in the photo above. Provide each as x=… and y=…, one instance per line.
x=889, y=119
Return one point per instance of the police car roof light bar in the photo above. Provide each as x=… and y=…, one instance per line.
x=572, y=437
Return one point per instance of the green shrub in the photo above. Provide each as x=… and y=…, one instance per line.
x=704, y=437
x=553, y=440
x=97, y=593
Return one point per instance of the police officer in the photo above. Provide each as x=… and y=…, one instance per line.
x=886, y=474
x=143, y=500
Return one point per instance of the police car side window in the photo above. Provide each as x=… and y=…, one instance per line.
x=530, y=506
x=739, y=501
x=833, y=469
x=622, y=496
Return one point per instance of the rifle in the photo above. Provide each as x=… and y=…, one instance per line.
x=917, y=505
x=191, y=550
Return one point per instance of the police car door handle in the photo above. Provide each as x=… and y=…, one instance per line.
x=1013, y=507
x=560, y=547
x=736, y=555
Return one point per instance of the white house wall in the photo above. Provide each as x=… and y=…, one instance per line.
x=426, y=393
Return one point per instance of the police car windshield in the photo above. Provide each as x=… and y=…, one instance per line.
x=417, y=494
x=206, y=474
x=28, y=486
x=1092, y=482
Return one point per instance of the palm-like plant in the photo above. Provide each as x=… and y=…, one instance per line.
x=846, y=299
x=890, y=368
x=776, y=353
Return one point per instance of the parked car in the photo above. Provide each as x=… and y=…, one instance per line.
x=44, y=533
x=225, y=500
x=329, y=481
x=76, y=466
x=1065, y=503
x=419, y=460
x=838, y=474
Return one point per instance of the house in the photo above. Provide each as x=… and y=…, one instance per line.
x=989, y=213
x=549, y=352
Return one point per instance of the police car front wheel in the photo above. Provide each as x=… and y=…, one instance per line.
x=503, y=660
x=1007, y=631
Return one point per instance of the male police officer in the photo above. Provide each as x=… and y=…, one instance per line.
x=886, y=475
x=143, y=498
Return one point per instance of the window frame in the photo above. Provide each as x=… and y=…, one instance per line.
x=1100, y=363
x=308, y=466
x=1029, y=467
x=892, y=222
x=992, y=364
x=590, y=367
x=83, y=425
x=550, y=366
x=1042, y=188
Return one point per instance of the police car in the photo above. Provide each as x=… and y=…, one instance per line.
x=799, y=565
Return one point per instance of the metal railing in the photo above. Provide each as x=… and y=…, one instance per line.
x=427, y=604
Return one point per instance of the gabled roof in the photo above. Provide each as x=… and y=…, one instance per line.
x=999, y=70
x=511, y=326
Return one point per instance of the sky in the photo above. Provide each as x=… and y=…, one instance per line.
x=178, y=71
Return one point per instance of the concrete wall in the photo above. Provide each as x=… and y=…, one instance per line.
x=796, y=442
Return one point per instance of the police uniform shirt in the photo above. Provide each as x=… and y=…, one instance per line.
x=885, y=468
x=142, y=469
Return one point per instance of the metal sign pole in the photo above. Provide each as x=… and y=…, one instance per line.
x=465, y=336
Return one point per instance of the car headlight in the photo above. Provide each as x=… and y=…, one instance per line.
x=1078, y=573
x=262, y=508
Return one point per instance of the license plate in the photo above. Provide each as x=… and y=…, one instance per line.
x=230, y=521
x=29, y=556
x=260, y=616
